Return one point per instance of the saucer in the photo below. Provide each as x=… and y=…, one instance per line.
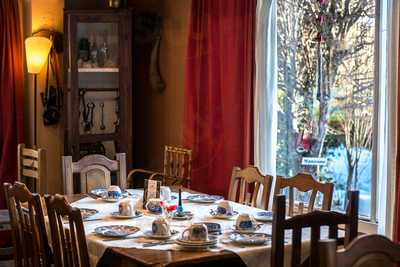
x=247, y=231
x=150, y=234
x=186, y=215
x=116, y=230
x=117, y=215
x=101, y=192
x=263, y=216
x=217, y=215
x=250, y=239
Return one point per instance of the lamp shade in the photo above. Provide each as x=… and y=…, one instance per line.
x=37, y=49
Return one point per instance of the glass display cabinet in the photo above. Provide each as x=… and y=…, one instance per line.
x=98, y=82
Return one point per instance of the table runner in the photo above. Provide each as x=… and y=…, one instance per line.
x=252, y=256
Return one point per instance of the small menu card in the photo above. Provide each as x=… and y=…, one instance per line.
x=151, y=190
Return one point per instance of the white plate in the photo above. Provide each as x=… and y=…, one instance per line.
x=256, y=239
x=212, y=240
x=116, y=230
x=116, y=215
x=263, y=216
x=217, y=215
x=204, y=198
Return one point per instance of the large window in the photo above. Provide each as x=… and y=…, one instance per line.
x=326, y=94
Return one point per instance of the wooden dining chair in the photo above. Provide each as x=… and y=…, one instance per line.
x=242, y=180
x=176, y=171
x=314, y=220
x=94, y=171
x=305, y=182
x=32, y=168
x=364, y=251
x=69, y=244
x=29, y=236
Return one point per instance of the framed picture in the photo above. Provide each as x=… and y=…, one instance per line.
x=151, y=190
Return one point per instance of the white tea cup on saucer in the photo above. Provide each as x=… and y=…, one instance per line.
x=196, y=232
x=245, y=222
x=114, y=192
x=160, y=227
x=126, y=208
x=165, y=193
x=225, y=208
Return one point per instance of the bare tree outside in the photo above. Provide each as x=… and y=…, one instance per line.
x=325, y=90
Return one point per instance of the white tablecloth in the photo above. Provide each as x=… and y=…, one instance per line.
x=251, y=256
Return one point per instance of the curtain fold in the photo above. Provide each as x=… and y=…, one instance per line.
x=266, y=83
x=218, y=118
x=11, y=91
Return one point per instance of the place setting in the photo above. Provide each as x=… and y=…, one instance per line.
x=126, y=210
x=111, y=194
x=224, y=210
x=196, y=237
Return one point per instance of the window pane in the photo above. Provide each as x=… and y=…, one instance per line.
x=326, y=93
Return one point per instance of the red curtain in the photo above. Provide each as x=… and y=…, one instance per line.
x=11, y=93
x=396, y=232
x=218, y=116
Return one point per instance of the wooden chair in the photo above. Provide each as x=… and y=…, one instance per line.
x=314, y=220
x=32, y=169
x=94, y=170
x=69, y=245
x=364, y=251
x=305, y=182
x=177, y=168
x=243, y=179
x=27, y=225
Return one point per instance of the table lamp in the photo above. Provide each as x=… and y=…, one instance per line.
x=37, y=50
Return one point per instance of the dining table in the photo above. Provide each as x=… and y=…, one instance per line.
x=130, y=251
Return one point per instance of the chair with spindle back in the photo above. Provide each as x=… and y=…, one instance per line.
x=243, y=179
x=305, y=182
x=69, y=244
x=314, y=220
x=177, y=168
x=364, y=251
x=32, y=169
x=29, y=236
x=94, y=170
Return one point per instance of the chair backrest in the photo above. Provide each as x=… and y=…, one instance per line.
x=94, y=171
x=27, y=225
x=32, y=168
x=246, y=178
x=177, y=166
x=305, y=182
x=314, y=220
x=364, y=251
x=69, y=243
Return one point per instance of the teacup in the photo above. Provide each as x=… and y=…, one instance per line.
x=245, y=222
x=165, y=193
x=196, y=232
x=154, y=205
x=160, y=227
x=225, y=208
x=114, y=192
x=126, y=208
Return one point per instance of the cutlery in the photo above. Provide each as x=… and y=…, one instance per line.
x=86, y=220
x=158, y=243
